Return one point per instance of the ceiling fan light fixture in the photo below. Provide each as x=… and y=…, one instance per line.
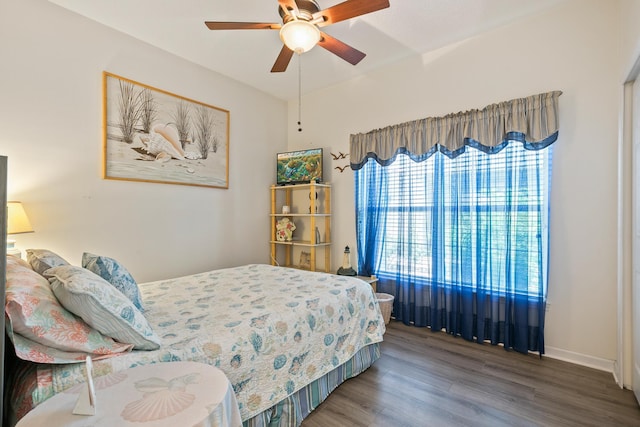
x=299, y=36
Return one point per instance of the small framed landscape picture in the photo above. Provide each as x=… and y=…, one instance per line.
x=305, y=259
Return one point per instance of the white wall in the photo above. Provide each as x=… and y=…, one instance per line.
x=51, y=64
x=573, y=48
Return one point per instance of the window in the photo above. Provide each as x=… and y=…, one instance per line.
x=452, y=213
x=478, y=220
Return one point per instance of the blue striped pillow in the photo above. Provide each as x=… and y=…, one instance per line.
x=102, y=306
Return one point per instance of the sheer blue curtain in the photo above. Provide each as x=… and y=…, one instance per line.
x=460, y=237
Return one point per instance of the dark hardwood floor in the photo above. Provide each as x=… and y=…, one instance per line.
x=433, y=379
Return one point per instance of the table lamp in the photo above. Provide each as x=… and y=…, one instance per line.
x=17, y=223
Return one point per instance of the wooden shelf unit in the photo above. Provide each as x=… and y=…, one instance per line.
x=282, y=195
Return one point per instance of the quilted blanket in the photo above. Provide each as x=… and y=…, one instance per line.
x=271, y=330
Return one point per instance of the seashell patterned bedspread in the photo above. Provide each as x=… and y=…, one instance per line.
x=271, y=330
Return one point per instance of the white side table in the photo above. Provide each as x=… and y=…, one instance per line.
x=162, y=394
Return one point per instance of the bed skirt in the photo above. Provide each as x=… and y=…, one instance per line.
x=290, y=411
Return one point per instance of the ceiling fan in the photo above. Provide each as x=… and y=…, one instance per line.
x=300, y=28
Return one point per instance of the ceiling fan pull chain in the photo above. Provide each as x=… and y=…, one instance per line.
x=299, y=94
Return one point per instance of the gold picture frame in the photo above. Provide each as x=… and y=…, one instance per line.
x=152, y=135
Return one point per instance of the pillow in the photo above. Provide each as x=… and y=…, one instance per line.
x=115, y=273
x=34, y=352
x=102, y=306
x=37, y=320
x=43, y=259
x=14, y=259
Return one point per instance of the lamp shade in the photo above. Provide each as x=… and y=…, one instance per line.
x=17, y=220
x=299, y=36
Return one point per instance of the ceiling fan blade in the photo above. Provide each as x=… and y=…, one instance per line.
x=289, y=5
x=282, y=61
x=347, y=10
x=242, y=25
x=343, y=50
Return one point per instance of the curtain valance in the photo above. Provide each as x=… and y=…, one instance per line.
x=532, y=120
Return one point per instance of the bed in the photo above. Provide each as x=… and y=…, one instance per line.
x=285, y=338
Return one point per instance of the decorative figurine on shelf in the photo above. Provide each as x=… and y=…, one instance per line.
x=284, y=230
x=346, y=269
x=310, y=195
x=305, y=260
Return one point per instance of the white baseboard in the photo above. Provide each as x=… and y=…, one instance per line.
x=579, y=359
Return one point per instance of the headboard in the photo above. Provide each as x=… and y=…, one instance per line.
x=3, y=270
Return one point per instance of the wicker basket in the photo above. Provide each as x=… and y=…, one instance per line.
x=386, y=304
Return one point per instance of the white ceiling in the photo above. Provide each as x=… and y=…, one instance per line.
x=407, y=27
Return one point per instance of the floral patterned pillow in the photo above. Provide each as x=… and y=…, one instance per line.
x=43, y=330
x=102, y=306
x=115, y=273
x=27, y=349
x=13, y=260
x=43, y=259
